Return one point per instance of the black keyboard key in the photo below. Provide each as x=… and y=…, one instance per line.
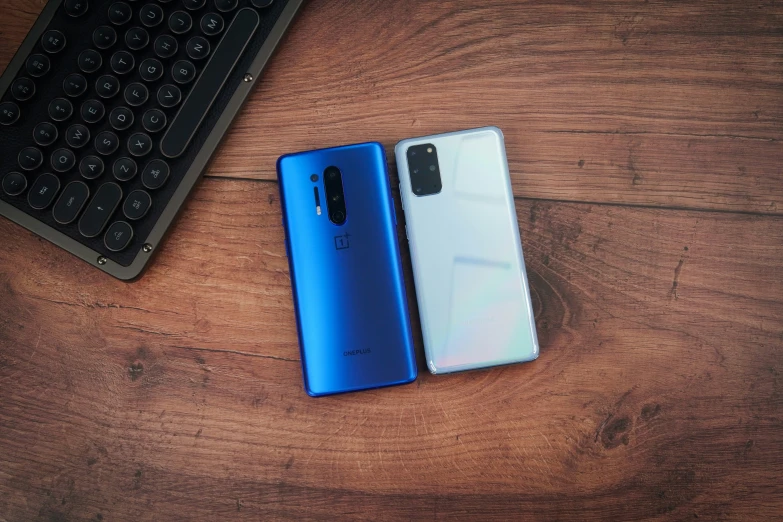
x=23, y=89
x=210, y=83
x=212, y=24
x=136, y=94
x=60, y=109
x=9, y=113
x=139, y=144
x=76, y=7
x=122, y=62
x=75, y=85
x=226, y=5
x=183, y=72
x=169, y=96
x=155, y=174
x=261, y=3
x=137, y=205
x=192, y=5
x=151, y=15
x=63, y=160
x=91, y=167
x=100, y=209
x=166, y=46
x=90, y=61
x=198, y=48
x=107, y=86
x=121, y=118
x=14, y=184
x=77, y=136
x=93, y=111
x=180, y=22
x=38, y=65
x=151, y=70
x=124, y=169
x=43, y=191
x=71, y=202
x=120, y=13
x=30, y=158
x=106, y=143
x=104, y=37
x=137, y=38
x=45, y=133
x=154, y=120
x=53, y=41
x=118, y=236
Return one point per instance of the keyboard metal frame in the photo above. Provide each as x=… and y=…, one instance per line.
x=194, y=173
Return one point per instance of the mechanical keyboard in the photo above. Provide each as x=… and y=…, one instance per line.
x=111, y=110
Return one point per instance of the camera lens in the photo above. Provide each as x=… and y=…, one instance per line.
x=338, y=216
x=332, y=174
x=336, y=197
x=432, y=168
x=314, y=178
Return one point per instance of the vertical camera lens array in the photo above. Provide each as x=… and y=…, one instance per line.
x=424, y=169
x=335, y=197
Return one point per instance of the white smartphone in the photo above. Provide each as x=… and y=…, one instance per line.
x=461, y=222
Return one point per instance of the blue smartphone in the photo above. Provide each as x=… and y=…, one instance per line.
x=346, y=273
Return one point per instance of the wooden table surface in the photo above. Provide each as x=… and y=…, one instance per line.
x=644, y=139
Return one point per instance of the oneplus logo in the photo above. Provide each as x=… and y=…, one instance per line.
x=341, y=242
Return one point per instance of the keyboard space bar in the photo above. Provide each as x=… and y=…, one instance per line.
x=209, y=84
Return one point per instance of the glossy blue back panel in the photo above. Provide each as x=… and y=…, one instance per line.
x=349, y=294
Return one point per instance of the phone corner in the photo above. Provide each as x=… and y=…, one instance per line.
x=496, y=131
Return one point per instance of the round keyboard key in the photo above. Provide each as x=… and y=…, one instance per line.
x=120, y=13
x=71, y=202
x=180, y=22
x=154, y=120
x=151, y=15
x=9, y=113
x=183, y=72
x=92, y=111
x=124, y=169
x=90, y=61
x=38, y=65
x=260, y=4
x=107, y=86
x=226, y=5
x=166, y=46
x=198, y=48
x=43, y=191
x=155, y=174
x=169, y=96
x=91, y=167
x=63, y=160
x=151, y=70
x=23, y=89
x=106, y=143
x=74, y=85
x=212, y=24
x=139, y=144
x=104, y=37
x=53, y=41
x=14, y=184
x=137, y=205
x=137, y=38
x=77, y=136
x=45, y=133
x=136, y=94
x=60, y=109
x=118, y=236
x=122, y=62
x=121, y=118
x=76, y=8
x=192, y=5
x=30, y=158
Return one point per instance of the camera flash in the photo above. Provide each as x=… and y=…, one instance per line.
x=429, y=149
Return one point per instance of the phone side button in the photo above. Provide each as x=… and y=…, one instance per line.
x=406, y=233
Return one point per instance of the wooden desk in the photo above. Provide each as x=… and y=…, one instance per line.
x=645, y=144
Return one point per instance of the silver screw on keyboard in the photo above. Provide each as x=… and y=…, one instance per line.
x=248, y=77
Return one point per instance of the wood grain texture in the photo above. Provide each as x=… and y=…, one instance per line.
x=651, y=103
x=657, y=394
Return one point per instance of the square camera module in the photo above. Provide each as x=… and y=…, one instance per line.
x=424, y=170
